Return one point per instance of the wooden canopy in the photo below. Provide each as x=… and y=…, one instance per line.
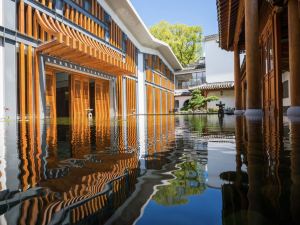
x=71, y=45
x=227, y=16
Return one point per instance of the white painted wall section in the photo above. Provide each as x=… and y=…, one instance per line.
x=181, y=100
x=219, y=63
x=1, y=78
x=227, y=98
x=142, y=141
x=1, y=13
x=2, y=157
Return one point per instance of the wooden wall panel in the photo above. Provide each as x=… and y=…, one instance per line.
x=150, y=99
x=51, y=94
x=131, y=96
x=36, y=86
x=79, y=96
x=102, y=99
x=157, y=101
x=157, y=79
x=119, y=90
x=164, y=102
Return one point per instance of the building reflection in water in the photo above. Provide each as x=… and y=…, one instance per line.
x=82, y=172
x=79, y=170
x=267, y=192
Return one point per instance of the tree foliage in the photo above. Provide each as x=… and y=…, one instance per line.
x=198, y=101
x=189, y=181
x=184, y=40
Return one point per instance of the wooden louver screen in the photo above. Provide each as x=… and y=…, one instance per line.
x=72, y=45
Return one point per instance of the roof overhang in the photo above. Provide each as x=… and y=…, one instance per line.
x=133, y=22
x=214, y=86
x=71, y=45
x=227, y=17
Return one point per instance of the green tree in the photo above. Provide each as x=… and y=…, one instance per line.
x=198, y=101
x=184, y=40
x=189, y=180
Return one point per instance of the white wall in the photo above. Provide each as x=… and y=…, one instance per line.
x=1, y=66
x=219, y=63
x=181, y=100
x=286, y=101
x=1, y=78
x=1, y=12
x=227, y=98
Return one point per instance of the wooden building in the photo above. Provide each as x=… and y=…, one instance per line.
x=66, y=58
x=268, y=32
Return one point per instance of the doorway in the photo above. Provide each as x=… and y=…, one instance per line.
x=62, y=94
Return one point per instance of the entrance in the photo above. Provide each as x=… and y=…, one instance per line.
x=76, y=95
x=62, y=95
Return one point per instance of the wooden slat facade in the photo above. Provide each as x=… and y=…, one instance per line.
x=89, y=37
x=67, y=43
x=159, y=96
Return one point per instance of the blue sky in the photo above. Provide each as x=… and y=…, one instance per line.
x=190, y=12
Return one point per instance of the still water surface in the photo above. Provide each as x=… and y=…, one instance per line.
x=150, y=170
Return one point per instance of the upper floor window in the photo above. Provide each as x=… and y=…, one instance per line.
x=58, y=5
x=87, y=5
x=107, y=21
x=153, y=61
x=146, y=61
x=124, y=42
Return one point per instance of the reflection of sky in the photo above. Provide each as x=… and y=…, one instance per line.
x=204, y=209
x=221, y=157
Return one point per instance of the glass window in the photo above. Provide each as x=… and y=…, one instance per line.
x=285, y=93
x=124, y=42
x=107, y=21
x=87, y=5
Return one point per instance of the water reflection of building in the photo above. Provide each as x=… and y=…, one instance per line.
x=263, y=187
x=66, y=167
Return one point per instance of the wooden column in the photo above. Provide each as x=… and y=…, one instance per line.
x=254, y=105
x=237, y=81
x=36, y=85
x=22, y=82
x=29, y=83
x=294, y=56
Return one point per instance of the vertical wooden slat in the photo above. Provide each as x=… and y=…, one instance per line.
x=36, y=85
x=21, y=16
x=22, y=96
x=29, y=82
x=29, y=21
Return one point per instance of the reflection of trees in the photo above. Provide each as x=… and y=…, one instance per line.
x=189, y=180
x=198, y=123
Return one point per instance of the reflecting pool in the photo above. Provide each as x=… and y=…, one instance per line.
x=151, y=170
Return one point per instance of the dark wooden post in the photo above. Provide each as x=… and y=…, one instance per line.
x=294, y=56
x=254, y=103
x=237, y=82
